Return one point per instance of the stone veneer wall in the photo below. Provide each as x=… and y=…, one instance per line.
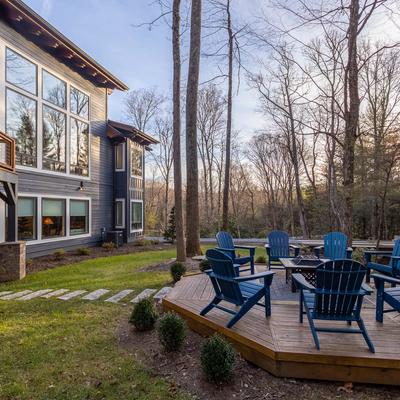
x=12, y=261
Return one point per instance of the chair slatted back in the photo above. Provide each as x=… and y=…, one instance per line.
x=222, y=276
x=279, y=244
x=395, y=264
x=335, y=245
x=338, y=283
x=225, y=241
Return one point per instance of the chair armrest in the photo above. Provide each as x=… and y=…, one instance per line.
x=386, y=278
x=367, y=289
x=255, y=276
x=318, y=247
x=293, y=246
x=395, y=257
x=301, y=282
x=223, y=249
x=246, y=247
x=207, y=271
x=317, y=250
x=268, y=249
x=349, y=249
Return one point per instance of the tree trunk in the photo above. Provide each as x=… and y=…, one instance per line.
x=192, y=171
x=225, y=200
x=180, y=237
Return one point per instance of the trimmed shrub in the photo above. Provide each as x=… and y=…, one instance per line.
x=204, y=265
x=358, y=255
x=171, y=331
x=108, y=246
x=59, y=254
x=261, y=260
x=144, y=315
x=177, y=270
x=217, y=359
x=83, y=251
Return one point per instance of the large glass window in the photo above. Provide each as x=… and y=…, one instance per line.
x=136, y=216
x=119, y=157
x=79, y=217
x=79, y=160
x=21, y=72
x=53, y=139
x=79, y=103
x=27, y=218
x=54, y=90
x=53, y=218
x=119, y=213
x=136, y=161
x=21, y=125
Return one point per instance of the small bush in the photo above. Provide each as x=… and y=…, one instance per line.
x=144, y=315
x=177, y=270
x=59, y=254
x=261, y=260
x=217, y=359
x=358, y=255
x=83, y=251
x=28, y=262
x=108, y=246
x=204, y=265
x=172, y=331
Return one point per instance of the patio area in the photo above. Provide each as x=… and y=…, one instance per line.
x=284, y=347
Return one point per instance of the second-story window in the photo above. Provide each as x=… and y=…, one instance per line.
x=54, y=90
x=79, y=159
x=136, y=160
x=21, y=72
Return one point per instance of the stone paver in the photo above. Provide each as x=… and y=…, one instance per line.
x=4, y=293
x=119, y=296
x=57, y=292
x=71, y=295
x=13, y=296
x=162, y=293
x=143, y=295
x=96, y=294
x=33, y=295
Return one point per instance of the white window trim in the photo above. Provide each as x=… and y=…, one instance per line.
x=123, y=157
x=67, y=199
x=130, y=215
x=123, y=213
x=39, y=104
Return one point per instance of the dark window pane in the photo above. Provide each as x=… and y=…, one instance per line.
x=119, y=212
x=26, y=218
x=136, y=216
x=21, y=72
x=79, y=160
x=21, y=125
x=53, y=218
x=79, y=217
x=79, y=103
x=53, y=139
x=136, y=161
x=119, y=156
x=54, y=90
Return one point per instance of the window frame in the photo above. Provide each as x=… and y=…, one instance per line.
x=87, y=216
x=119, y=200
x=43, y=71
x=39, y=104
x=131, y=214
x=35, y=205
x=136, y=146
x=123, y=157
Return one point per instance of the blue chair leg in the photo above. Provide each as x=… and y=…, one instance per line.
x=313, y=329
x=208, y=308
x=364, y=332
x=301, y=311
x=380, y=287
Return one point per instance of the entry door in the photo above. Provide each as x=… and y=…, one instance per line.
x=2, y=221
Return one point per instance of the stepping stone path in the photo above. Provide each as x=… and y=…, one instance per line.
x=71, y=295
x=95, y=295
x=119, y=296
x=4, y=293
x=13, y=296
x=143, y=295
x=58, y=292
x=34, y=294
x=162, y=293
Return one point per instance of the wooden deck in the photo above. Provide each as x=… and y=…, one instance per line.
x=284, y=347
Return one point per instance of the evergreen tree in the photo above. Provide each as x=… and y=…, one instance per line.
x=170, y=232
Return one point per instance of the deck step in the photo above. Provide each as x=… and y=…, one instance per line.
x=71, y=295
x=5, y=292
x=162, y=293
x=57, y=292
x=119, y=296
x=143, y=295
x=33, y=295
x=13, y=296
x=96, y=294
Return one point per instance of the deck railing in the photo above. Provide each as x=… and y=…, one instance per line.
x=7, y=152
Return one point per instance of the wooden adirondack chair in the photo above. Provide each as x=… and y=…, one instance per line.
x=384, y=295
x=393, y=268
x=225, y=244
x=338, y=296
x=335, y=247
x=236, y=290
x=278, y=247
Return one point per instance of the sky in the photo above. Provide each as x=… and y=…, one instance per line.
x=107, y=30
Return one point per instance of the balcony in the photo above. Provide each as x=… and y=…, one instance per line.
x=7, y=153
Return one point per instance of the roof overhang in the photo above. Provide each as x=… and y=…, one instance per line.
x=34, y=28
x=118, y=132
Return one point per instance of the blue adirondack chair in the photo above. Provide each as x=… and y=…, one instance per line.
x=335, y=247
x=393, y=268
x=337, y=296
x=384, y=295
x=236, y=290
x=225, y=244
x=278, y=247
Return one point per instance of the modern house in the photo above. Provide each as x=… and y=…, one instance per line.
x=79, y=174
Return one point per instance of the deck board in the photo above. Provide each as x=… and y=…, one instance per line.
x=284, y=347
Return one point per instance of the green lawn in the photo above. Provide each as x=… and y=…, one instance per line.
x=52, y=349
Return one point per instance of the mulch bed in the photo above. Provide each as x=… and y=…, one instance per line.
x=183, y=372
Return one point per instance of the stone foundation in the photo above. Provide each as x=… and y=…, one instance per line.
x=12, y=261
